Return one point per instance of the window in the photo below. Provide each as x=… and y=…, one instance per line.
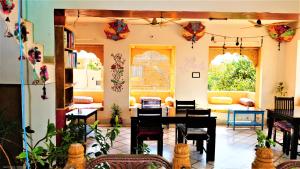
x=150, y=69
x=88, y=76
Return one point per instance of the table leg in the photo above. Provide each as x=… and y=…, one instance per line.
x=254, y=120
x=270, y=123
x=84, y=129
x=96, y=118
x=262, y=120
x=228, y=118
x=133, y=142
x=294, y=142
x=233, y=119
x=211, y=143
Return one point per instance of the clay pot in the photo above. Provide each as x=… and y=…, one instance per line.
x=76, y=156
x=181, y=156
x=263, y=159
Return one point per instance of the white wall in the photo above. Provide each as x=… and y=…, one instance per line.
x=187, y=59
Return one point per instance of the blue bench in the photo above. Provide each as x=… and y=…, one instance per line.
x=254, y=123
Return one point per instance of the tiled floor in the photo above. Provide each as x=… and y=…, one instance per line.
x=234, y=149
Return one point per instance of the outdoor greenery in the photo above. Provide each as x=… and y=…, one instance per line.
x=232, y=76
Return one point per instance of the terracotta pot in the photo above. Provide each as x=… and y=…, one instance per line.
x=181, y=156
x=76, y=156
x=263, y=159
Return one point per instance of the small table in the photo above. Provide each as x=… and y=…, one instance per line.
x=83, y=114
x=254, y=123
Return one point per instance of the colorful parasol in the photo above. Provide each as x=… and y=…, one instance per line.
x=193, y=31
x=281, y=33
x=116, y=30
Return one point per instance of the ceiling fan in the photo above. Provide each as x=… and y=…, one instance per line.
x=259, y=24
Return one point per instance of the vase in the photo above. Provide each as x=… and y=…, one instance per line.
x=181, y=156
x=76, y=157
x=263, y=159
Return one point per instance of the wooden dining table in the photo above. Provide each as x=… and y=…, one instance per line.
x=201, y=122
x=293, y=117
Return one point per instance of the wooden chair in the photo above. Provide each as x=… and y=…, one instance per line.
x=182, y=105
x=150, y=127
x=192, y=131
x=283, y=104
x=180, y=108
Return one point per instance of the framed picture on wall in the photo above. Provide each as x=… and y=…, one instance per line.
x=195, y=74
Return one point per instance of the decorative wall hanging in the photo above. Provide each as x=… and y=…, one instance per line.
x=193, y=31
x=44, y=77
x=116, y=30
x=281, y=33
x=117, y=72
x=23, y=32
x=7, y=6
x=34, y=55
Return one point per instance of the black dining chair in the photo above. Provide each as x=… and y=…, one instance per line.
x=283, y=104
x=150, y=127
x=180, y=109
x=182, y=105
x=191, y=131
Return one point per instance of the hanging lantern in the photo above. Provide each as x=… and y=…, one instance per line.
x=281, y=33
x=193, y=31
x=116, y=30
x=7, y=6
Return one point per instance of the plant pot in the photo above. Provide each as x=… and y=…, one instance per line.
x=113, y=121
x=263, y=159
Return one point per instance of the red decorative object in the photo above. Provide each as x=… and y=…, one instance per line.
x=34, y=55
x=193, y=31
x=7, y=6
x=281, y=33
x=117, y=30
x=44, y=77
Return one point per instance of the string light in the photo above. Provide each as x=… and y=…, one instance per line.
x=237, y=41
x=212, y=39
x=241, y=46
x=224, y=45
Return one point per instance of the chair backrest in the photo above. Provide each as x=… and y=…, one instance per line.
x=151, y=103
x=196, y=113
x=284, y=103
x=183, y=105
x=149, y=117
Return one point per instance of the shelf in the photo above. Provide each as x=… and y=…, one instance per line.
x=68, y=85
x=69, y=49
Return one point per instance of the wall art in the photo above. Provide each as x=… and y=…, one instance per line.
x=117, y=72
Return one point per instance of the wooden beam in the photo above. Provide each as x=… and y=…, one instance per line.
x=182, y=14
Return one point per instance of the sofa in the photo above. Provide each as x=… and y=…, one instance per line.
x=130, y=161
x=221, y=101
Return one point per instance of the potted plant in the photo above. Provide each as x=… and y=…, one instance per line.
x=264, y=154
x=280, y=89
x=115, y=115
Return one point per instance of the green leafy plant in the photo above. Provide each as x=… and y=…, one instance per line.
x=37, y=154
x=144, y=148
x=262, y=140
x=115, y=115
x=103, y=142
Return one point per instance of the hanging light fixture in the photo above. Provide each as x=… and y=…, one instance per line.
x=224, y=45
x=241, y=46
x=237, y=41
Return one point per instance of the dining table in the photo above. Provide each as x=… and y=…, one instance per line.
x=202, y=122
x=291, y=116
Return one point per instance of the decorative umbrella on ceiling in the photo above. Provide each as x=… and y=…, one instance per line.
x=117, y=30
x=281, y=33
x=193, y=31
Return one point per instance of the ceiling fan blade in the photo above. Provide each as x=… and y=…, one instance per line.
x=148, y=20
x=253, y=22
x=248, y=27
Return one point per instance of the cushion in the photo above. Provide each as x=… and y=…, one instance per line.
x=132, y=101
x=220, y=100
x=83, y=99
x=247, y=102
x=169, y=101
